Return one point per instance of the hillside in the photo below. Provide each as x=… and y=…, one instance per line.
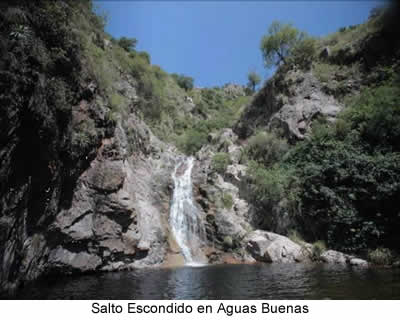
x=92, y=131
x=322, y=140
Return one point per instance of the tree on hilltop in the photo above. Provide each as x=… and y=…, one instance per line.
x=254, y=80
x=277, y=44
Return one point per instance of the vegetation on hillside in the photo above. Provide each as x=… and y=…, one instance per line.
x=341, y=185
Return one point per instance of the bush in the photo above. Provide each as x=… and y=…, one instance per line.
x=266, y=148
x=324, y=71
x=227, y=200
x=193, y=140
x=220, y=162
x=376, y=116
x=349, y=174
x=380, y=256
x=145, y=56
x=183, y=81
x=128, y=44
x=268, y=186
x=318, y=248
x=303, y=52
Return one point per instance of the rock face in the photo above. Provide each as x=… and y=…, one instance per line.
x=228, y=215
x=336, y=257
x=290, y=101
x=119, y=212
x=271, y=247
x=81, y=188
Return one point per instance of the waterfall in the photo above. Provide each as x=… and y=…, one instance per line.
x=185, y=219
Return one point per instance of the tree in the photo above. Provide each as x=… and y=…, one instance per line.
x=128, y=44
x=277, y=44
x=254, y=80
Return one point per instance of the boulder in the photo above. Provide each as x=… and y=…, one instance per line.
x=334, y=257
x=271, y=247
x=358, y=262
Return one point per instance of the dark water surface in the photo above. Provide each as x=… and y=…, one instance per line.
x=258, y=281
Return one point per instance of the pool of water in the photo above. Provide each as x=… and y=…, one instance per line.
x=259, y=281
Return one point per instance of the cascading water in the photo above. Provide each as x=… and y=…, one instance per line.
x=185, y=219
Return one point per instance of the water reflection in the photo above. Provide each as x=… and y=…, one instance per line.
x=258, y=281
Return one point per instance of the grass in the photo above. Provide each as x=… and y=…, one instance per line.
x=351, y=36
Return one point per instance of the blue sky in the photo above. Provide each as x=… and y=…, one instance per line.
x=218, y=42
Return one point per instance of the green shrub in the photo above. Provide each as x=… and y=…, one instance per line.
x=220, y=162
x=349, y=173
x=266, y=148
x=145, y=56
x=318, y=248
x=324, y=71
x=376, y=116
x=227, y=200
x=304, y=52
x=183, y=81
x=268, y=186
x=128, y=44
x=380, y=256
x=228, y=242
x=192, y=141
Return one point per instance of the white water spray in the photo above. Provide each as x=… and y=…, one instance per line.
x=185, y=219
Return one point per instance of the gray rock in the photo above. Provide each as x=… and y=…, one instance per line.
x=271, y=247
x=235, y=172
x=66, y=260
x=334, y=257
x=108, y=176
x=107, y=44
x=358, y=262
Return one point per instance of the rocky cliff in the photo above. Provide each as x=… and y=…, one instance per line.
x=82, y=188
x=85, y=184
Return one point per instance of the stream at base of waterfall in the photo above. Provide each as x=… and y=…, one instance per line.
x=185, y=219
